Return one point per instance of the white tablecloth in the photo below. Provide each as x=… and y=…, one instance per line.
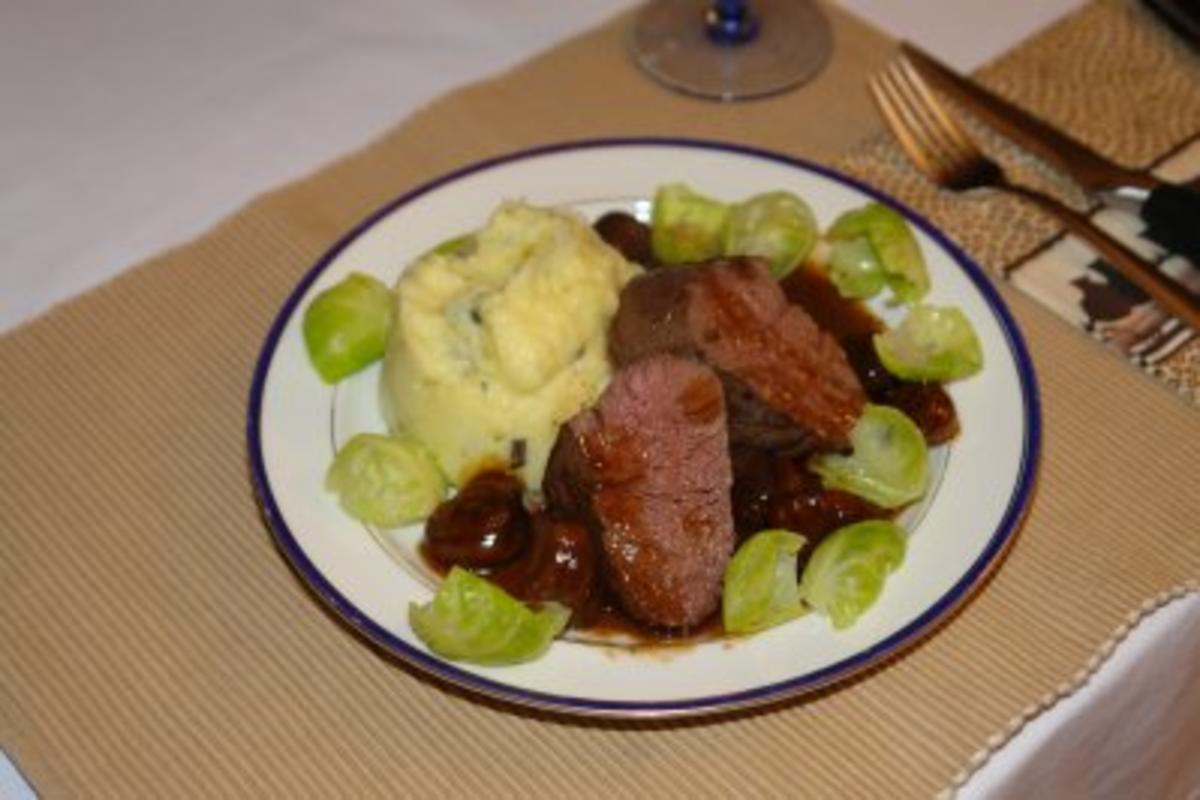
x=1131, y=731
x=131, y=125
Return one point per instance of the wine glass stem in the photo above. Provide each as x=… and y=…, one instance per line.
x=730, y=22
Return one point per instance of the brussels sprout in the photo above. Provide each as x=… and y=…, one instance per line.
x=385, y=480
x=686, y=226
x=472, y=619
x=346, y=326
x=778, y=226
x=847, y=570
x=888, y=464
x=895, y=247
x=854, y=269
x=932, y=343
x=761, y=590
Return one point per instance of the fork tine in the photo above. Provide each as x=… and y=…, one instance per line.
x=935, y=136
x=905, y=125
x=938, y=156
x=925, y=127
x=924, y=144
x=951, y=131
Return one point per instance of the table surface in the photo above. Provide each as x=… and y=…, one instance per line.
x=187, y=118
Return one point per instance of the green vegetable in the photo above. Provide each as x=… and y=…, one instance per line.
x=346, y=326
x=385, y=480
x=932, y=343
x=894, y=245
x=778, y=226
x=761, y=590
x=686, y=226
x=457, y=246
x=471, y=619
x=888, y=464
x=854, y=269
x=847, y=570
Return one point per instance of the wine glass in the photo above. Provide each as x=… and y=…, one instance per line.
x=731, y=49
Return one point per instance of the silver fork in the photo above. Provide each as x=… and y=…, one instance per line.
x=941, y=148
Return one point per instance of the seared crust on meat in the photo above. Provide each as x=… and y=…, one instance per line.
x=788, y=384
x=648, y=468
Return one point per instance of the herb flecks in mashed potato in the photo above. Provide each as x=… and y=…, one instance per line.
x=503, y=342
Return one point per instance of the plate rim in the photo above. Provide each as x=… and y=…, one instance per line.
x=893, y=645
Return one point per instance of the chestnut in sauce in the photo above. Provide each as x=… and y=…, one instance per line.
x=560, y=565
x=773, y=490
x=484, y=525
x=926, y=404
x=535, y=556
x=629, y=237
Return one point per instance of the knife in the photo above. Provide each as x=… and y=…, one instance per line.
x=1171, y=211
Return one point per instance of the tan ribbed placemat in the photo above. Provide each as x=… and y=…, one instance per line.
x=155, y=644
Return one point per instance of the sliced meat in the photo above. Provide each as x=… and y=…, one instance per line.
x=648, y=469
x=788, y=384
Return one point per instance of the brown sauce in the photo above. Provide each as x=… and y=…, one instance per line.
x=538, y=556
x=776, y=490
x=853, y=325
x=611, y=622
x=808, y=287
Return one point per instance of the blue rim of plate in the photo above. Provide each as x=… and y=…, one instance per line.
x=809, y=682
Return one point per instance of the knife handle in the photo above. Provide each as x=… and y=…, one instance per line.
x=1172, y=214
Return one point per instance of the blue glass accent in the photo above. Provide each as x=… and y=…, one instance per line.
x=730, y=22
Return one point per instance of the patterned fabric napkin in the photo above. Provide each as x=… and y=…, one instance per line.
x=1087, y=292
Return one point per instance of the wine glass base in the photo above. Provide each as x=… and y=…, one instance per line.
x=670, y=42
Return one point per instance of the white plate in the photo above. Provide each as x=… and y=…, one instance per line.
x=296, y=422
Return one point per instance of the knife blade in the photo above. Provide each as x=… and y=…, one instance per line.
x=1171, y=211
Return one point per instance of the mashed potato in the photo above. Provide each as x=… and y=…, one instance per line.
x=497, y=345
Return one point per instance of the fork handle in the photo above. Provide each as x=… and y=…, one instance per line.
x=1171, y=297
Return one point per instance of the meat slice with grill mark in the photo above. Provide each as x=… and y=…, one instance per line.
x=788, y=384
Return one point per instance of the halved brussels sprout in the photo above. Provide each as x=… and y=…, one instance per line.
x=894, y=244
x=761, y=589
x=346, y=326
x=778, y=226
x=854, y=269
x=847, y=570
x=686, y=226
x=932, y=343
x=472, y=619
x=385, y=480
x=888, y=464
